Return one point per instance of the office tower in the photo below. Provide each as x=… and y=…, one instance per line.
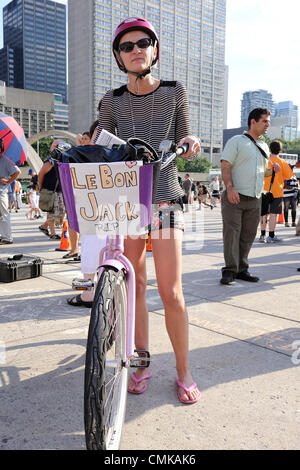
x=192, y=40
x=34, y=52
x=82, y=96
x=7, y=60
x=61, y=114
x=33, y=110
x=255, y=99
x=225, y=98
x=284, y=123
x=289, y=110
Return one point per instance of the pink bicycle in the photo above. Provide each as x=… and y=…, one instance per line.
x=110, y=346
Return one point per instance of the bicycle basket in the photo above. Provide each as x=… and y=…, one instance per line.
x=136, y=157
x=134, y=150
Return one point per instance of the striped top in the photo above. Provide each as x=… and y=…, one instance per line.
x=127, y=115
x=290, y=188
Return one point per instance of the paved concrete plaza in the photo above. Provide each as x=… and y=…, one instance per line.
x=244, y=350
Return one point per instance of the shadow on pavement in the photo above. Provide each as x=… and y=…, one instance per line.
x=51, y=404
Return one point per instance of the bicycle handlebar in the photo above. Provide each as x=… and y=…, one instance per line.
x=170, y=157
x=182, y=149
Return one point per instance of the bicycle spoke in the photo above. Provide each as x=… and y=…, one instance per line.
x=113, y=379
x=111, y=391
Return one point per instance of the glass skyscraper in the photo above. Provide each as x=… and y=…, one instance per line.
x=34, y=52
x=255, y=99
x=192, y=40
x=284, y=123
x=289, y=110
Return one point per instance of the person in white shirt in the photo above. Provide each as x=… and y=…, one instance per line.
x=8, y=173
x=19, y=191
x=215, y=190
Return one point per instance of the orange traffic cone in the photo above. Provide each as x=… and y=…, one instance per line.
x=148, y=246
x=65, y=240
x=280, y=218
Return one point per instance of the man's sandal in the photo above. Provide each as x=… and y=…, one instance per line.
x=188, y=391
x=137, y=381
x=71, y=255
x=78, y=302
x=44, y=230
x=54, y=236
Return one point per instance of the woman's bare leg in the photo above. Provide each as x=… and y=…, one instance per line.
x=167, y=257
x=135, y=251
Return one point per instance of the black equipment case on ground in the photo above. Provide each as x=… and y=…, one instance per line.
x=19, y=267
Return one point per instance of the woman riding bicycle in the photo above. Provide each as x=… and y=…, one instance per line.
x=154, y=110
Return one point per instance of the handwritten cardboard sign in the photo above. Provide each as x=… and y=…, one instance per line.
x=106, y=197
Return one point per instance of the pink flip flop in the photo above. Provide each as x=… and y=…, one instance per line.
x=137, y=381
x=188, y=392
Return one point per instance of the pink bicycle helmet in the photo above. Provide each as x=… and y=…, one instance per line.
x=133, y=24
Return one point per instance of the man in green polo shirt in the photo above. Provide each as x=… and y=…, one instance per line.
x=244, y=166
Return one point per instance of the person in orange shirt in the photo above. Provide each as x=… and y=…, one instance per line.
x=275, y=207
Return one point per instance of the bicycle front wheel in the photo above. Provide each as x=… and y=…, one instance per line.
x=105, y=389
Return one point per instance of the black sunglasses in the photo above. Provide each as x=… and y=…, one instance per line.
x=143, y=43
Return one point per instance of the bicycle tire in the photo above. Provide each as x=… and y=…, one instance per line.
x=105, y=383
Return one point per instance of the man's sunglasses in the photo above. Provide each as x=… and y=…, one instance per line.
x=129, y=46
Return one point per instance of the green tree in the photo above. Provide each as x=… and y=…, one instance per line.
x=201, y=165
x=291, y=146
x=266, y=139
x=288, y=146
x=44, y=147
x=180, y=164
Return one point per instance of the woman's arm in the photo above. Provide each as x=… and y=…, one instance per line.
x=94, y=136
x=43, y=171
x=106, y=118
x=182, y=128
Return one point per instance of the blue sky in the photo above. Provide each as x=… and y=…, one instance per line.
x=262, y=50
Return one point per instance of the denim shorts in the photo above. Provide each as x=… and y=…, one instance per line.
x=167, y=214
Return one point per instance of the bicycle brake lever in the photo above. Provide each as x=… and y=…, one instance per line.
x=167, y=146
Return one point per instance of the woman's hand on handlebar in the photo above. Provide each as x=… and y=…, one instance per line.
x=193, y=143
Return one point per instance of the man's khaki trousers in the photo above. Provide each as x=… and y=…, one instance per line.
x=240, y=222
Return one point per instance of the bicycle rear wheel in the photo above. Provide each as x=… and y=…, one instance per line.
x=105, y=389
